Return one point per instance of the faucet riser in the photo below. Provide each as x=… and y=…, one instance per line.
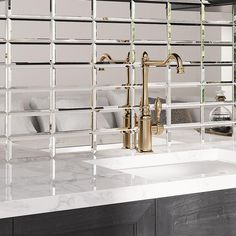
x=145, y=134
x=129, y=139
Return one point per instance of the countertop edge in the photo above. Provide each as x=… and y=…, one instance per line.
x=32, y=206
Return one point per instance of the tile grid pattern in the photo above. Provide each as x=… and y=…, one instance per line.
x=94, y=131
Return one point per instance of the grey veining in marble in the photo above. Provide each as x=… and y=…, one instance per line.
x=39, y=185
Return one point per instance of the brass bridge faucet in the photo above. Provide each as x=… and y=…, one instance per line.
x=145, y=121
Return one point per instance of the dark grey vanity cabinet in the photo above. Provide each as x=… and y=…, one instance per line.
x=203, y=214
x=6, y=227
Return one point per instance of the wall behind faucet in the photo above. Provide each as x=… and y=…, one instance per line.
x=82, y=77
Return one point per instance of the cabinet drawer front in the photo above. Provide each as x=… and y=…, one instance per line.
x=129, y=219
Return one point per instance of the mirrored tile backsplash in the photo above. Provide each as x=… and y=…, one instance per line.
x=56, y=95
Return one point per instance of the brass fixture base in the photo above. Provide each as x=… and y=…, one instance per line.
x=145, y=134
x=129, y=138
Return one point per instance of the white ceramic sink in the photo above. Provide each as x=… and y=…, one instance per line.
x=175, y=165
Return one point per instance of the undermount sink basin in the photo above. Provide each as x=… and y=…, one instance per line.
x=174, y=166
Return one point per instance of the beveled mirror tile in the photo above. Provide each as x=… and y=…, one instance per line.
x=116, y=9
x=30, y=53
x=218, y=13
x=2, y=29
x=74, y=30
x=69, y=121
x=186, y=33
x=190, y=94
x=150, y=10
x=218, y=74
x=191, y=74
x=153, y=32
x=194, y=56
x=26, y=30
x=75, y=8
x=187, y=13
x=68, y=78
x=116, y=51
x=120, y=32
x=212, y=90
x=218, y=53
x=180, y=134
x=30, y=7
x=73, y=53
x=27, y=78
x=2, y=53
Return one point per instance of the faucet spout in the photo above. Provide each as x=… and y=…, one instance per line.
x=106, y=57
x=172, y=57
x=177, y=58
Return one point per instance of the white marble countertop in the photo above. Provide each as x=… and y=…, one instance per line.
x=41, y=185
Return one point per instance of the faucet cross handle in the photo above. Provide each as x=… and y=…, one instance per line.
x=158, y=109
